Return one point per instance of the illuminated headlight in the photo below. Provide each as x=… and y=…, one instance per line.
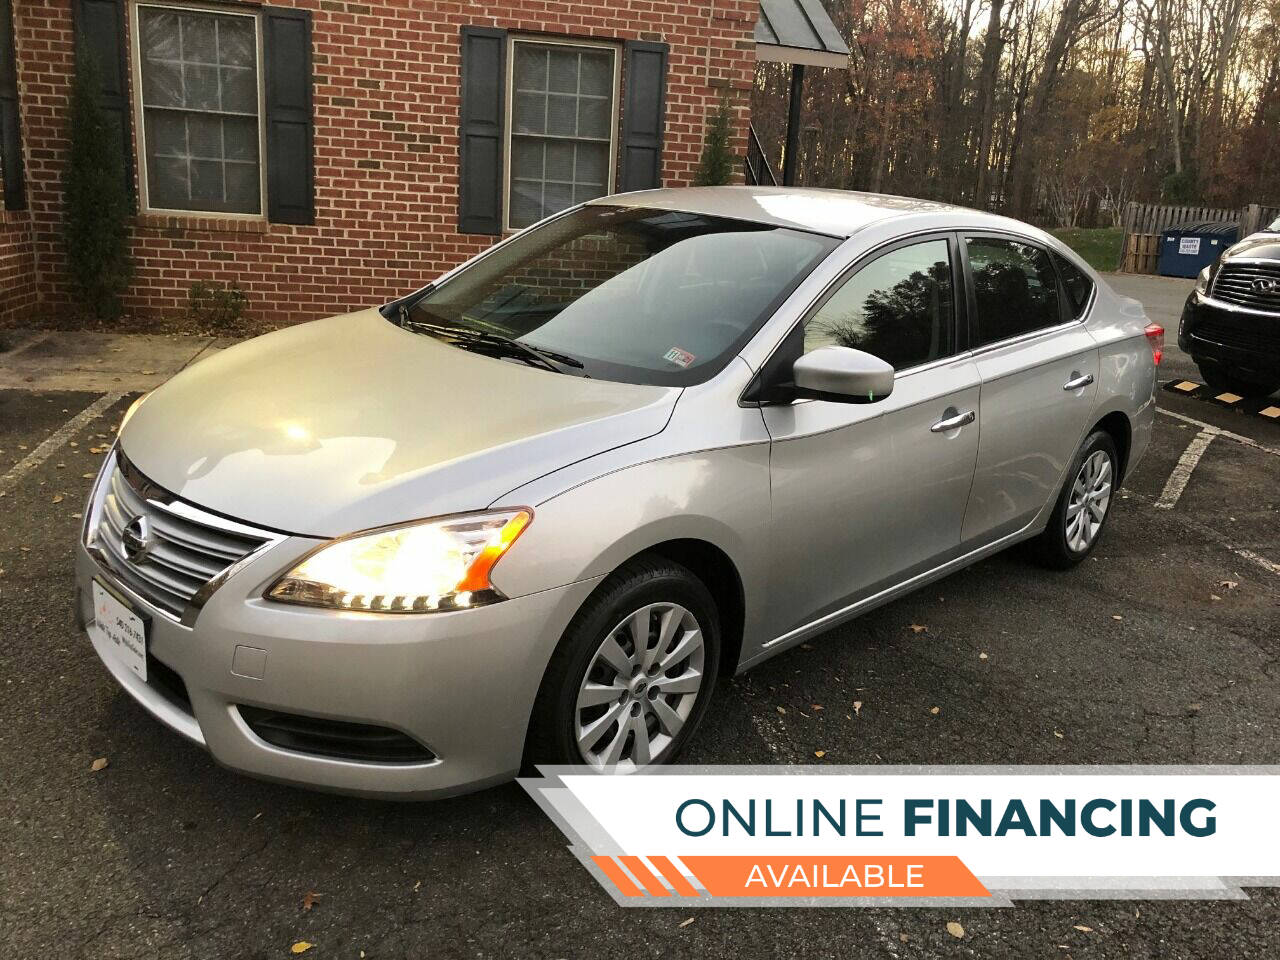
x=420, y=568
x=1202, y=281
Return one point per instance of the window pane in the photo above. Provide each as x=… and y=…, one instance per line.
x=1015, y=288
x=574, y=114
x=1079, y=286
x=898, y=308
x=200, y=97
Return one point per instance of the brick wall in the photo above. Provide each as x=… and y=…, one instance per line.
x=386, y=119
x=17, y=267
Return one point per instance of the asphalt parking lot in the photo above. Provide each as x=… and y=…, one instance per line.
x=1164, y=648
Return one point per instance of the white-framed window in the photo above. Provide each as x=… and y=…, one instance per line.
x=562, y=125
x=197, y=75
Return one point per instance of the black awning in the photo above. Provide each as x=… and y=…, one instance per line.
x=799, y=31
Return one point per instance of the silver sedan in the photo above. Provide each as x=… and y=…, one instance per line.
x=532, y=511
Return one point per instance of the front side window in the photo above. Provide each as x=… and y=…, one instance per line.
x=898, y=307
x=1015, y=288
x=625, y=294
x=198, y=73
x=561, y=142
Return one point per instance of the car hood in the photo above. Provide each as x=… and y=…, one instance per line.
x=352, y=422
x=1261, y=246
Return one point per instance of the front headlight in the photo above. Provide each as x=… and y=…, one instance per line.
x=420, y=568
x=1202, y=281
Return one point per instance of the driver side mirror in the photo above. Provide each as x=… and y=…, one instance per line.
x=842, y=375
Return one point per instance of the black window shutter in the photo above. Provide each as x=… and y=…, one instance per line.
x=15, y=197
x=291, y=189
x=484, y=52
x=99, y=31
x=645, y=76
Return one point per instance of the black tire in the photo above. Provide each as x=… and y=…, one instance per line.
x=1222, y=379
x=552, y=735
x=1052, y=548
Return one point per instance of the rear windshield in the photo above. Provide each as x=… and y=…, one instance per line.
x=628, y=294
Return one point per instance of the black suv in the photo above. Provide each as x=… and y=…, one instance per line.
x=1231, y=323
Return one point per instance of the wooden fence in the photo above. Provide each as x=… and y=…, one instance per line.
x=1144, y=222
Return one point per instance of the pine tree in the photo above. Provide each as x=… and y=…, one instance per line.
x=716, y=166
x=96, y=201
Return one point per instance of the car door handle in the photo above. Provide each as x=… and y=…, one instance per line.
x=1076, y=382
x=954, y=421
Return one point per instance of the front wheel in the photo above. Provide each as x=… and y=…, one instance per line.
x=633, y=674
x=1082, y=507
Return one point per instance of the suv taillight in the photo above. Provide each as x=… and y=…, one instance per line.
x=1155, y=337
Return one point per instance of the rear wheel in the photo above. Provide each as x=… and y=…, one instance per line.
x=1081, y=511
x=1220, y=378
x=632, y=676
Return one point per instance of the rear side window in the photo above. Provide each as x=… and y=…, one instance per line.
x=898, y=307
x=1015, y=288
x=1079, y=286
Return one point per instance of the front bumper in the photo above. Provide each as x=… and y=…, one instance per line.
x=1246, y=342
x=461, y=683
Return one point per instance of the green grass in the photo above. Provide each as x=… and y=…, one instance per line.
x=1100, y=246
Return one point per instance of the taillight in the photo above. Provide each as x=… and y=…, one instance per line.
x=1155, y=337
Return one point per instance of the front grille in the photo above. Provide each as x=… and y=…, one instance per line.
x=1239, y=336
x=1253, y=285
x=188, y=546
x=361, y=742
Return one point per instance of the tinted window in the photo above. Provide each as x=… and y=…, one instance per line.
x=898, y=308
x=629, y=294
x=1079, y=286
x=1015, y=288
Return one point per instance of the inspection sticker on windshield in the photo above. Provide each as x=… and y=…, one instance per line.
x=681, y=358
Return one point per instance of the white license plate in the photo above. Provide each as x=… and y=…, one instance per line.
x=121, y=630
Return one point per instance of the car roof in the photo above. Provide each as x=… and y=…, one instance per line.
x=838, y=213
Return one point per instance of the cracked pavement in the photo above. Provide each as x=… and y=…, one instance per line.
x=164, y=854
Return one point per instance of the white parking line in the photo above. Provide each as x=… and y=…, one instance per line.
x=1218, y=431
x=56, y=439
x=1177, y=481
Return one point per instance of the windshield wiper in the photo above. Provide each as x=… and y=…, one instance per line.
x=469, y=338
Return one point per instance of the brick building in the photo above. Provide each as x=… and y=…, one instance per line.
x=327, y=155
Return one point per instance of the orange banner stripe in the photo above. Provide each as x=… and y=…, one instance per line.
x=744, y=876
x=674, y=877
x=645, y=876
x=620, y=879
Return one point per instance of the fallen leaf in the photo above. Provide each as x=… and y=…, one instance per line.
x=782, y=709
x=815, y=707
x=57, y=498
x=955, y=929
x=918, y=628
x=309, y=900
x=1083, y=929
x=1214, y=596
x=87, y=476
x=1116, y=616
x=857, y=708
x=903, y=938
x=935, y=710
x=99, y=764
x=302, y=946
x=819, y=754
x=1195, y=707
x=1229, y=584
x=1058, y=734
x=982, y=656
x=685, y=923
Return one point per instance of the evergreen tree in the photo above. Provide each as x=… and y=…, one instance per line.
x=96, y=201
x=716, y=166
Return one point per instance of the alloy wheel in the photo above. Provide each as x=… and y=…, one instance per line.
x=1090, y=496
x=640, y=687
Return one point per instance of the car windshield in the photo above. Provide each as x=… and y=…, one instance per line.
x=617, y=293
